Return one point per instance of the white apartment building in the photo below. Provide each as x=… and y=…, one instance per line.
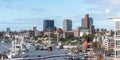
x=117, y=38
x=108, y=43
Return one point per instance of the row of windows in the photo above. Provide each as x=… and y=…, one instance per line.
x=117, y=42
x=117, y=25
x=118, y=54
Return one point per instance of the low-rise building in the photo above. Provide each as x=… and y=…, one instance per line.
x=68, y=34
x=84, y=32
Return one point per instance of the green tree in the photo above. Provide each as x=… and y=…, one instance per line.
x=53, y=36
x=39, y=41
x=88, y=37
x=95, y=44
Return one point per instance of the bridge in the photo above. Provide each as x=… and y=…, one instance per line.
x=47, y=57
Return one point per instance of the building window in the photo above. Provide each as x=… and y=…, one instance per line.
x=17, y=46
x=118, y=54
x=118, y=33
x=118, y=44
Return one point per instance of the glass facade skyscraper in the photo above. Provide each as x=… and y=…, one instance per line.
x=48, y=25
x=67, y=25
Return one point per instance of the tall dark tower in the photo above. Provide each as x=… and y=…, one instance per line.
x=8, y=30
x=48, y=25
x=87, y=21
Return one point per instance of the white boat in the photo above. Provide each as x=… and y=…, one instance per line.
x=18, y=47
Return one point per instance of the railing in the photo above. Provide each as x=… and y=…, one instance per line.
x=51, y=56
x=117, y=46
x=118, y=56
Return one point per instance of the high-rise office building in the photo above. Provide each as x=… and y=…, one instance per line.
x=92, y=29
x=48, y=25
x=34, y=28
x=8, y=30
x=87, y=21
x=36, y=32
x=67, y=25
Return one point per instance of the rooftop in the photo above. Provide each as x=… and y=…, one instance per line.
x=115, y=18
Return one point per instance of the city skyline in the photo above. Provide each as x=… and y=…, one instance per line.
x=24, y=14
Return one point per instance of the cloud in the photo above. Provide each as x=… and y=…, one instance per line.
x=113, y=2
x=110, y=2
x=36, y=9
x=105, y=6
x=107, y=11
x=29, y=21
x=18, y=5
x=22, y=24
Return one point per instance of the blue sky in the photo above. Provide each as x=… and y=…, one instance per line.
x=24, y=14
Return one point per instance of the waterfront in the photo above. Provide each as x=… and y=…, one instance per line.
x=55, y=54
x=35, y=53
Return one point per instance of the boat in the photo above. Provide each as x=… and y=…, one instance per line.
x=19, y=47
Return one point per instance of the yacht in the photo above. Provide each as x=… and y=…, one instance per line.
x=18, y=47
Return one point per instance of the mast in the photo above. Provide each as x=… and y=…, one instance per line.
x=57, y=37
x=49, y=34
x=49, y=37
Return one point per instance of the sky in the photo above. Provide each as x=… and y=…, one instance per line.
x=24, y=14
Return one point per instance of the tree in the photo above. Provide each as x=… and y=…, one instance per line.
x=53, y=36
x=39, y=41
x=89, y=37
x=95, y=44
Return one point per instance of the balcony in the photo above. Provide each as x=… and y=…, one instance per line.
x=117, y=38
x=117, y=46
x=117, y=49
x=117, y=56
